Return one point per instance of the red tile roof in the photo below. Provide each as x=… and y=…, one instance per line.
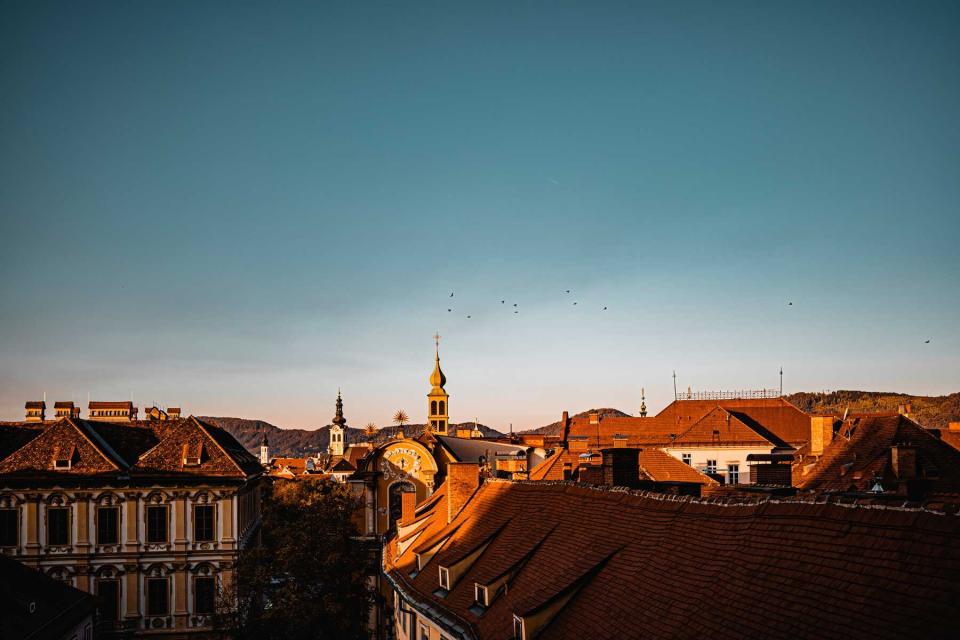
x=636, y=565
x=660, y=466
x=134, y=449
x=860, y=453
x=748, y=421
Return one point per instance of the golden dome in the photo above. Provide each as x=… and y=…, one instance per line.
x=437, y=379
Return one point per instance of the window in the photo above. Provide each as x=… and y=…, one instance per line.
x=157, y=596
x=711, y=466
x=8, y=528
x=444, y=578
x=108, y=519
x=424, y=632
x=480, y=594
x=517, y=628
x=203, y=594
x=108, y=591
x=433, y=407
x=58, y=526
x=733, y=474
x=442, y=407
x=156, y=524
x=203, y=523
x=685, y=457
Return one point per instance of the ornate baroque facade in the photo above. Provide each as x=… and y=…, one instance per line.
x=148, y=516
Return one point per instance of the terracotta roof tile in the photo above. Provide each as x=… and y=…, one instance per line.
x=681, y=567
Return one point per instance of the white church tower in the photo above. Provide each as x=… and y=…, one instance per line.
x=337, y=430
x=264, y=450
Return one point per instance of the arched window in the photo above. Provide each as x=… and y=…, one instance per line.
x=442, y=407
x=396, y=501
x=433, y=408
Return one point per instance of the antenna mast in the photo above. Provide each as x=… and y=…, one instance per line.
x=781, y=382
x=674, y=384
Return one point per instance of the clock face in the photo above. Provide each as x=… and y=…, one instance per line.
x=402, y=461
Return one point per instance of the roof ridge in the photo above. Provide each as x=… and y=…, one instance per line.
x=719, y=501
x=100, y=442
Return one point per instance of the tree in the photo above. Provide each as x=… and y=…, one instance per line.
x=307, y=580
x=401, y=418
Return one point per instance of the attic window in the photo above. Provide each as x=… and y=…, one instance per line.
x=63, y=457
x=517, y=627
x=192, y=454
x=444, y=578
x=480, y=595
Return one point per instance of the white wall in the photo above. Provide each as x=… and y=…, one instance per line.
x=723, y=456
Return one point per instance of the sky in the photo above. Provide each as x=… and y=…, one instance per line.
x=239, y=208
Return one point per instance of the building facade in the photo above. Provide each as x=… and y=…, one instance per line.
x=149, y=516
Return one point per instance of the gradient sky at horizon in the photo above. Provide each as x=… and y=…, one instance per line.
x=240, y=208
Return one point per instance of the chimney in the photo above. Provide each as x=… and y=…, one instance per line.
x=408, y=504
x=905, y=410
x=463, y=478
x=36, y=410
x=66, y=409
x=621, y=467
x=564, y=426
x=619, y=441
x=594, y=418
x=821, y=434
x=904, y=462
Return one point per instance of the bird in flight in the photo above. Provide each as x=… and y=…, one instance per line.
x=469, y=316
x=451, y=294
x=789, y=304
x=503, y=302
x=604, y=308
x=449, y=310
x=514, y=304
x=926, y=342
x=574, y=304
x=568, y=290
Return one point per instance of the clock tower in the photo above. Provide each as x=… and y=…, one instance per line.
x=438, y=407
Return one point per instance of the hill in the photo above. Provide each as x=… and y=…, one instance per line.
x=929, y=411
x=934, y=412
x=299, y=443
x=553, y=428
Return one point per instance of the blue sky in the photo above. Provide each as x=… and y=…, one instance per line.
x=240, y=208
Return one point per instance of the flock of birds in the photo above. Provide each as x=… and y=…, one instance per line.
x=575, y=303
x=515, y=305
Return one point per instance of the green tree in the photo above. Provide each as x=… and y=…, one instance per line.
x=307, y=580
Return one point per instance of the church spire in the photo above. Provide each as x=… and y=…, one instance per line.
x=338, y=419
x=437, y=379
x=643, y=403
x=437, y=400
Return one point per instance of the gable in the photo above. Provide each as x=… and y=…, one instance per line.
x=62, y=439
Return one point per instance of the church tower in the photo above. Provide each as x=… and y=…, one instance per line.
x=338, y=430
x=264, y=450
x=437, y=400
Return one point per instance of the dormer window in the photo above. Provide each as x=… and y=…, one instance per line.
x=444, y=578
x=517, y=628
x=192, y=454
x=480, y=595
x=63, y=457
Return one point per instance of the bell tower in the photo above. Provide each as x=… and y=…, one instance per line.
x=438, y=407
x=337, y=430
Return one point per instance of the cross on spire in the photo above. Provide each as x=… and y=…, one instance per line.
x=436, y=340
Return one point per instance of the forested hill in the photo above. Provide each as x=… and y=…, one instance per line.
x=934, y=412
x=929, y=411
x=298, y=443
